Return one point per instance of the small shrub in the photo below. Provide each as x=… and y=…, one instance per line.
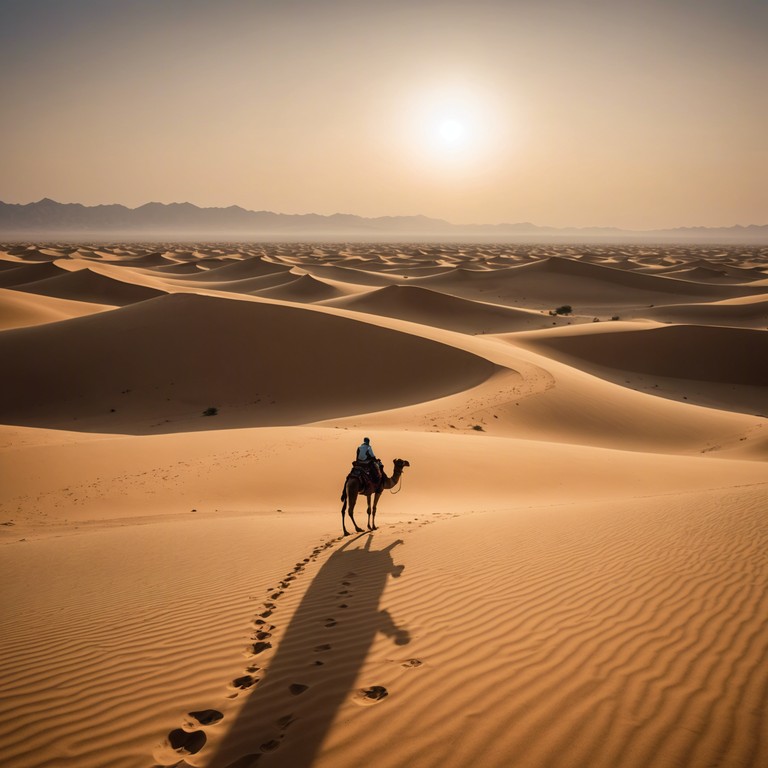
x=566, y=309
x=615, y=317
x=210, y=411
x=478, y=428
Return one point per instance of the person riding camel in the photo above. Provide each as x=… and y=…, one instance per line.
x=367, y=459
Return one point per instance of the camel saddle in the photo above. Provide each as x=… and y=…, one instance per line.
x=368, y=474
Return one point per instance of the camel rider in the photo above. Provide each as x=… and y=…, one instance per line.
x=367, y=458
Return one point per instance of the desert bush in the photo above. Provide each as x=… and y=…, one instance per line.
x=210, y=411
x=566, y=309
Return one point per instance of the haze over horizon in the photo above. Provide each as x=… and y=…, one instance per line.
x=605, y=114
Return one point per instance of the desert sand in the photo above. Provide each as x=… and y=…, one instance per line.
x=573, y=570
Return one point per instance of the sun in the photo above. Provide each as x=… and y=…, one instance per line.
x=448, y=126
x=455, y=128
x=451, y=132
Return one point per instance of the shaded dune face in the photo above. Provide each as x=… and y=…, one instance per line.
x=722, y=368
x=18, y=274
x=753, y=314
x=303, y=288
x=558, y=280
x=166, y=360
x=238, y=270
x=86, y=285
x=245, y=285
x=720, y=355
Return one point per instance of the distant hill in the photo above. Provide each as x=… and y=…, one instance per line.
x=49, y=219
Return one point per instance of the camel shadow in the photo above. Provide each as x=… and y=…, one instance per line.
x=316, y=665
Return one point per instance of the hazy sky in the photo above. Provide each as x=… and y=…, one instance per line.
x=639, y=114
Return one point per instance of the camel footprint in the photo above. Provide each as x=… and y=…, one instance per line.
x=203, y=717
x=372, y=695
x=179, y=744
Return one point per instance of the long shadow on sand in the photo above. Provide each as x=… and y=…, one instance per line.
x=317, y=662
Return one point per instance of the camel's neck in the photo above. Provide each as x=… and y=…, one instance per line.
x=391, y=482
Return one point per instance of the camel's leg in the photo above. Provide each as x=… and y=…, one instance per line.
x=345, y=498
x=372, y=517
x=352, y=496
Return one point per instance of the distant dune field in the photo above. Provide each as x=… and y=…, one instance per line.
x=571, y=571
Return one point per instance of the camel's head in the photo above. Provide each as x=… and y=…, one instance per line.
x=402, y=463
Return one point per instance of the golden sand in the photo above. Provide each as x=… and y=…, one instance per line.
x=572, y=572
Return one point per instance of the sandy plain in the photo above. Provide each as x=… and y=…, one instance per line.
x=572, y=572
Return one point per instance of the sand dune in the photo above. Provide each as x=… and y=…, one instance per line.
x=27, y=273
x=87, y=285
x=556, y=281
x=182, y=268
x=705, y=274
x=631, y=565
x=406, y=271
x=717, y=366
x=571, y=571
x=151, y=260
x=245, y=286
x=350, y=275
x=301, y=289
x=9, y=262
x=240, y=270
x=421, y=305
x=19, y=310
x=722, y=355
x=32, y=254
x=179, y=357
x=750, y=314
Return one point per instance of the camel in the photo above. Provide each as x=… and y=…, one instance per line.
x=353, y=487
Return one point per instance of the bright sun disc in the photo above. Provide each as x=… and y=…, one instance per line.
x=453, y=128
x=451, y=131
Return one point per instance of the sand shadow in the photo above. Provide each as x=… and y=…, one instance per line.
x=317, y=662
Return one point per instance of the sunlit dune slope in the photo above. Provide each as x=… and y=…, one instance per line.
x=160, y=363
x=421, y=305
x=545, y=399
x=175, y=268
x=87, y=285
x=18, y=310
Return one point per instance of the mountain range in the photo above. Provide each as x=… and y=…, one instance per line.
x=50, y=219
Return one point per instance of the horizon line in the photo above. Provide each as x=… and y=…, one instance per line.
x=391, y=216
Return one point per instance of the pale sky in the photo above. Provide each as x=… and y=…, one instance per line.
x=639, y=114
